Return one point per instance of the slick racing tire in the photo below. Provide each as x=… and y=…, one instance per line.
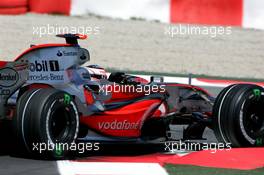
x=238, y=116
x=218, y=101
x=46, y=123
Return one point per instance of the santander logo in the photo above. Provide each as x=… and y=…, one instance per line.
x=119, y=125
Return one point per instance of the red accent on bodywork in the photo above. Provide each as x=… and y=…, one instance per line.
x=141, y=80
x=40, y=47
x=126, y=92
x=122, y=95
x=81, y=36
x=134, y=114
x=157, y=113
x=3, y=63
x=38, y=86
x=88, y=97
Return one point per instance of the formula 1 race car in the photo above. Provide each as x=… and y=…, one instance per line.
x=51, y=97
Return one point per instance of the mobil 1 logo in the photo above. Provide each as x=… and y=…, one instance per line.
x=44, y=66
x=45, y=70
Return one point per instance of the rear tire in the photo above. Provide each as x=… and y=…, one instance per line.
x=47, y=118
x=238, y=115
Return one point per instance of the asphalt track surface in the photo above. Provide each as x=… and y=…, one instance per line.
x=13, y=164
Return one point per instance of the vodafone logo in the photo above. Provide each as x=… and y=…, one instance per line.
x=119, y=125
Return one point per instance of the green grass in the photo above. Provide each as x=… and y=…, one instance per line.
x=184, y=75
x=196, y=170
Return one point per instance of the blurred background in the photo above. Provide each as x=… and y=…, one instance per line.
x=222, y=38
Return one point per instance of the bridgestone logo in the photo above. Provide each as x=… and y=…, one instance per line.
x=119, y=125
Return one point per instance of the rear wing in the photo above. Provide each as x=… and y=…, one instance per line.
x=12, y=76
x=72, y=38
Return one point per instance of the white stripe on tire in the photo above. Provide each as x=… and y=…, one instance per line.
x=219, y=114
x=23, y=118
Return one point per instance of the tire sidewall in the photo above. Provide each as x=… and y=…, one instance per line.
x=37, y=116
x=239, y=131
x=217, y=113
x=227, y=114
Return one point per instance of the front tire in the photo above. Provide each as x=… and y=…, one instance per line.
x=46, y=120
x=238, y=115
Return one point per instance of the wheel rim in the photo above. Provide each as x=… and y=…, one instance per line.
x=61, y=124
x=253, y=118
